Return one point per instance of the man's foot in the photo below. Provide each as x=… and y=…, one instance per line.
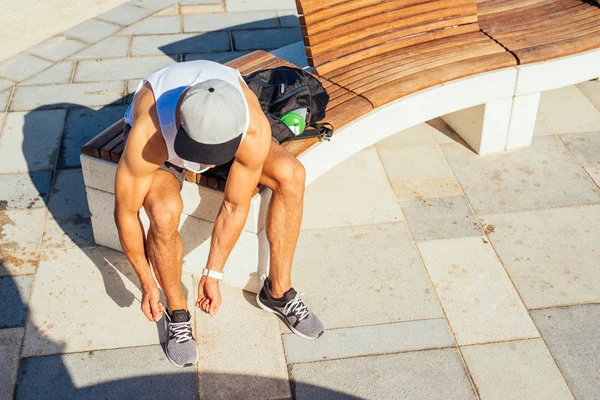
x=292, y=311
x=180, y=346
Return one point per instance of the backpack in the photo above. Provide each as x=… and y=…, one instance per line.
x=283, y=89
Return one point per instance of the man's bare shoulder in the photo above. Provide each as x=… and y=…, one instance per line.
x=257, y=142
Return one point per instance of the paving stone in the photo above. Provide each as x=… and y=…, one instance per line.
x=217, y=57
x=81, y=125
x=240, y=345
x=5, y=84
x=153, y=5
x=443, y=218
x=180, y=44
x=418, y=135
x=114, y=46
x=14, y=295
x=584, y=146
x=369, y=340
x=594, y=172
x=18, y=263
x=154, y=25
x=67, y=198
x=541, y=127
x=540, y=176
x=57, y=48
x=478, y=297
x=82, y=297
x=192, y=2
x=24, y=148
x=396, y=289
x=442, y=132
x=591, y=90
x=21, y=230
x=92, y=30
x=288, y=18
x=58, y=73
x=567, y=110
x=24, y=190
x=573, y=338
x=551, y=255
x=4, y=97
x=119, y=68
x=431, y=374
x=265, y=38
x=169, y=11
x=520, y=370
x=122, y=373
x=252, y=5
x=10, y=347
x=125, y=14
x=202, y=9
x=21, y=67
x=67, y=96
x=67, y=233
x=359, y=188
x=229, y=21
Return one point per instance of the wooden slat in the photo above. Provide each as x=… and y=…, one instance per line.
x=108, y=147
x=92, y=148
x=115, y=154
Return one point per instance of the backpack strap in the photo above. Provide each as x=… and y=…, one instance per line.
x=322, y=131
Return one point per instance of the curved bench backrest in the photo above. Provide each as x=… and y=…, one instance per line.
x=340, y=32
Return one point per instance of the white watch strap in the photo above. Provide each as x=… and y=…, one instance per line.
x=212, y=274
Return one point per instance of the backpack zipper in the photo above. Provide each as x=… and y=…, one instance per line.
x=288, y=95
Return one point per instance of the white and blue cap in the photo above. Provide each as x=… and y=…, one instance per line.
x=214, y=119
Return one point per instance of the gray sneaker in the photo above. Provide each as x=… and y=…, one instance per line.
x=292, y=311
x=180, y=346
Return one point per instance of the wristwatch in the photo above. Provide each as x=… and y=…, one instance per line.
x=212, y=274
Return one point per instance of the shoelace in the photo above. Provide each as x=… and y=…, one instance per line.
x=181, y=331
x=297, y=307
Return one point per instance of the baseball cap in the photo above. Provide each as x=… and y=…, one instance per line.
x=214, y=119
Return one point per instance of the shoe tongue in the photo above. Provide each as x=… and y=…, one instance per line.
x=180, y=316
x=289, y=295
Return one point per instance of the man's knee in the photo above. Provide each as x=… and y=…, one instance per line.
x=292, y=178
x=164, y=215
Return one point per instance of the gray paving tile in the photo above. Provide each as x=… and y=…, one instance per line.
x=92, y=30
x=217, y=57
x=568, y=110
x=81, y=125
x=229, y=21
x=154, y=26
x=430, y=374
x=5, y=84
x=169, y=11
x=18, y=263
x=108, y=374
x=4, y=97
x=58, y=73
x=57, y=48
x=119, y=68
x=10, y=347
x=551, y=255
x=251, y=5
x=180, y=44
x=75, y=231
x=23, y=147
x=125, y=14
x=154, y=5
x=369, y=340
x=67, y=96
x=515, y=370
x=584, y=146
x=114, y=46
x=442, y=218
x=594, y=172
x=540, y=176
x=14, y=295
x=288, y=18
x=397, y=288
x=24, y=190
x=22, y=66
x=68, y=198
x=573, y=337
x=194, y=2
x=265, y=38
x=21, y=230
x=591, y=90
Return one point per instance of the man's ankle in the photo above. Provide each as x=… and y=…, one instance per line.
x=278, y=289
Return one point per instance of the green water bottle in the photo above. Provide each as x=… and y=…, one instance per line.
x=295, y=120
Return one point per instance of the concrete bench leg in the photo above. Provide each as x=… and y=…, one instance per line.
x=485, y=128
x=522, y=120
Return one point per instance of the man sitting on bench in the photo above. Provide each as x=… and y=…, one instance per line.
x=193, y=116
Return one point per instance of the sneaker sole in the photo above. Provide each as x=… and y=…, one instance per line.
x=167, y=352
x=285, y=321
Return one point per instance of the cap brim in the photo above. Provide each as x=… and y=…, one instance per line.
x=188, y=149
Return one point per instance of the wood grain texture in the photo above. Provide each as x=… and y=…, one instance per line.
x=93, y=147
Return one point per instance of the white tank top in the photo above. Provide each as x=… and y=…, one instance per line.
x=168, y=84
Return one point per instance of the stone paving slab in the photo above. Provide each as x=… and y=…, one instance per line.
x=14, y=296
x=442, y=218
x=551, y=255
x=125, y=14
x=154, y=26
x=18, y=263
x=380, y=280
x=591, y=90
x=119, y=68
x=24, y=191
x=58, y=73
x=22, y=66
x=265, y=38
x=478, y=297
x=114, y=46
x=229, y=21
x=110, y=374
x=57, y=48
x=202, y=9
x=540, y=176
x=169, y=11
x=92, y=30
x=67, y=96
x=21, y=230
x=418, y=135
x=573, y=337
x=10, y=347
x=251, y=5
x=369, y=340
x=430, y=374
x=594, y=172
x=24, y=148
x=5, y=84
x=515, y=370
x=180, y=44
x=356, y=192
x=582, y=115
x=4, y=97
x=68, y=233
x=584, y=146
x=68, y=199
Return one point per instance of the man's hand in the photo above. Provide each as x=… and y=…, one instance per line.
x=151, y=305
x=209, y=295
